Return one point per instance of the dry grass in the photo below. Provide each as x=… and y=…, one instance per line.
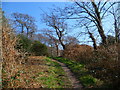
x=24, y=77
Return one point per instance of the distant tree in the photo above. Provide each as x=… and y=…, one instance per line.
x=55, y=42
x=111, y=40
x=49, y=40
x=116, y=18
x=24, y=21
x=41, y=38
x=70, y=40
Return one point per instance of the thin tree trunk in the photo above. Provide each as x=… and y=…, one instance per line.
x=116, y=32
x=27, y=31
x=57, y=50
x=62, y=44
x=22, y=29
x=59, y=33
x=93, y=39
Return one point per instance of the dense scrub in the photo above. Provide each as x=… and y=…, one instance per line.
x=31, y=47
x=79, y=53
x=105, y=65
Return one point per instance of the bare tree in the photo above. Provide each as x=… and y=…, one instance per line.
x=92, y=37
x=116, y=22
x=91, y=34
x=58, y=25
x=53, y=41
x=71, y=40
x=42, y=38
x=90, y=13
x=25, y=22
x=118, y=18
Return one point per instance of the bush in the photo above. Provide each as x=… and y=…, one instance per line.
x=24, y=44
x=39, y=49
x=9, y=53
x=79, y=53
x=89, y=80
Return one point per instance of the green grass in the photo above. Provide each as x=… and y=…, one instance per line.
x=81, y=73
x=54, y=77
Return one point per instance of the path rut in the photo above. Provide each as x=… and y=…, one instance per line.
x=75, y=83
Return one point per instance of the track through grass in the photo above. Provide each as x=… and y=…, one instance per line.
x=37, y=72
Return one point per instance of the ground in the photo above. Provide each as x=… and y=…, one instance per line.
x=38, y=72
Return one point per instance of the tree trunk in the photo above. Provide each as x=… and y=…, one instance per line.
x=116, y=32
x=99, y=24
x=93, y=39
x=101, y=32
x=27, y=31
x=59, y=34
x=62, y=44
x=57, y=50
x=22, y=29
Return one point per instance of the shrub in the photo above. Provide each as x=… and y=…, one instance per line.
x=9, y=53
x=24, y=43
x=39, y=49
x=89, y=80
x=79, y=53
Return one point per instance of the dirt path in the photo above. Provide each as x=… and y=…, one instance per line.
x=72, y=78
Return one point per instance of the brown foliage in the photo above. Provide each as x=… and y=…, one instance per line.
x=9, y=53
x=105, y=65
x=78, y=52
